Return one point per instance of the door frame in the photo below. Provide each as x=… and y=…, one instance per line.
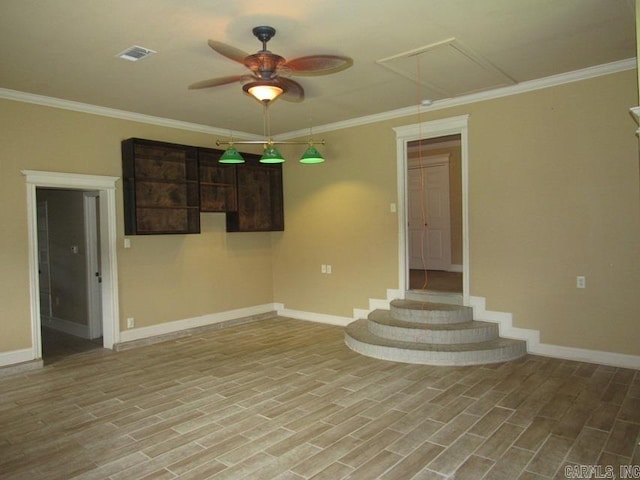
x=105, y=186
x=43, y=206
x=91, y=234
x=421, y=131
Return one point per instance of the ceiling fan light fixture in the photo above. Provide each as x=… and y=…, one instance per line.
x=271, y=155
x=231, y=155
x=263, y=91
x=311, y=155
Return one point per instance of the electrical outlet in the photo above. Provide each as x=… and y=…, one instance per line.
x=328, y=268
x=131, y=322
x=323, y=268
x=581, y=282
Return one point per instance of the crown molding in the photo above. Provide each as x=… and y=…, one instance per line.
x=523, y=87
x=115, y=113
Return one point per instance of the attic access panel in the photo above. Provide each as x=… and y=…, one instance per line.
x=447, y=69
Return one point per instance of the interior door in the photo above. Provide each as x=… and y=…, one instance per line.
x=417, y=219
x=429, y=217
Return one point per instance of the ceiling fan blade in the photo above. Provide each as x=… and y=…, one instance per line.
x=216, y=82
x=293, y=91
x=228, y=51
x=318, y=65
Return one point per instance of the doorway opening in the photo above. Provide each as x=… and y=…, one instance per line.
x=434, y=211
x=69, y=274
x=82, y=301
x=432, y=171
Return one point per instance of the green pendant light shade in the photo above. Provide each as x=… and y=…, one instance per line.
x=311, y=155
x=271, y=155
x=231, y=155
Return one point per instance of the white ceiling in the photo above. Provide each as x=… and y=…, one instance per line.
x=67, y=49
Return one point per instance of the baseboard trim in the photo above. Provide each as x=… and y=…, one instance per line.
x=71, y=328
x=189, y=326
x=374, y=304
x=315, y=317
x=534, y=346
x=16, y=356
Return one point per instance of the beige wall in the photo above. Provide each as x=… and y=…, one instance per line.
x=553, y=194
x=161, y=278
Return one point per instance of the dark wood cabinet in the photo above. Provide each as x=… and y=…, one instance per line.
x=260, y=198
x=218, y=192
x=160, y=188
x=167, y=185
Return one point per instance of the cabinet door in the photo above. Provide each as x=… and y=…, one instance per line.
x=217, y=182
x=161, y=193
x=260, y=206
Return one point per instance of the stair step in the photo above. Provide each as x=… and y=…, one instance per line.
x=426, y=312
x=382, y=324
x=360, y=339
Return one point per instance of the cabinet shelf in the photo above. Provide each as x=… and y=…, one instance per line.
x=161, y=189
x=217, y=182
x=162, y=180
x=214, y=184
x=162, y=207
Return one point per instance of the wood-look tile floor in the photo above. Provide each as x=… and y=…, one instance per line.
x=286, y=399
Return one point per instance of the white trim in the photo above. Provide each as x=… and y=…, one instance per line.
x=16, y=356
x=106, y=187
x=114, y=113
x=374, y=304
x=194, y=322
x=419, y=131
x=316, y=317
x=66, y=326
x=92, y=267
x=635, y=111
x=523, y=87
x=534, y=346
x=34, y=286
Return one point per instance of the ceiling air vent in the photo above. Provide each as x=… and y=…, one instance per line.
x=135, y=53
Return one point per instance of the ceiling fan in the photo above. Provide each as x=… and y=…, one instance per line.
x=268, y=77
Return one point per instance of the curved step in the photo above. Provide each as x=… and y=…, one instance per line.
x=360, y=339
x=382, y=324
x=426, y=312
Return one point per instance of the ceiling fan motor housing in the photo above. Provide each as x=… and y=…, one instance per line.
x=264, y=34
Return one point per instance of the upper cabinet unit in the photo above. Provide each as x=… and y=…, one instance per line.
x=167, y=185
x=260, y=199
x=161, y=189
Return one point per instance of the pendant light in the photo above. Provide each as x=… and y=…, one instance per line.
x=271, y=154
x=311, y=155
x=231, y=155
